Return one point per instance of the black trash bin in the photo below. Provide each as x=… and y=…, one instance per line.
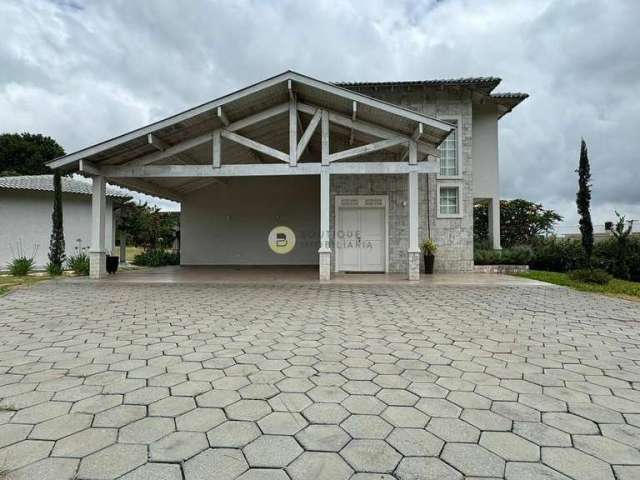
x=112, y=263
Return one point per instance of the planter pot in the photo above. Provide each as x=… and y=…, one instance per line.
x=112, y=263
x=428, y=263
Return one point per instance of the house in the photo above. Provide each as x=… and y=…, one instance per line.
x=26, y=204
x=349, y=177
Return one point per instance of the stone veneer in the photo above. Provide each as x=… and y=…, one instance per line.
x=97, y=265
x=454, y=236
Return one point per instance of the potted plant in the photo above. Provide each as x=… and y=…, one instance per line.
x=112, y=264
x=428, y=249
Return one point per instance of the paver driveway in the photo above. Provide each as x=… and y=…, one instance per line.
x=317, y=382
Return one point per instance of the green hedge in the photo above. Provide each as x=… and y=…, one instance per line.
x=156, y=258
x=520, y=255
x=557, y=255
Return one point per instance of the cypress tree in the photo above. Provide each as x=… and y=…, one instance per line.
x=583, y=202
x=56, y=244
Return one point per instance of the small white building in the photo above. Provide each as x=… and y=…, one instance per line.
x=26, y=204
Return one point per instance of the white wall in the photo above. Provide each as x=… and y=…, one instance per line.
x=26, y=215
x=486, y=180
x=229, y=224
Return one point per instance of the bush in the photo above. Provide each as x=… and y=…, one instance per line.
x=54, y=269
x=79, y=263
x=557, y=255
x=625, y=265
x=21, y=266
x=520, y=255
x=157, y=258
x=590, y=275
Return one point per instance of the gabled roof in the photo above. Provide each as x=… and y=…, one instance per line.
x=482, y=85
x=250, y=100
x=45, y=183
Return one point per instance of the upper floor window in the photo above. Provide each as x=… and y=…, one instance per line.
x=449, y=154
x=449, y=201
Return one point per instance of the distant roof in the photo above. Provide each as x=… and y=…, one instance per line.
x=484, y=85
x=45, y=183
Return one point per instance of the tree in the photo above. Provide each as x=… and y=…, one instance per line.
x=27, y=153
x=56, y=244
x=583, y=202
x=621, y=233
x=147, y=226
x=521, y=222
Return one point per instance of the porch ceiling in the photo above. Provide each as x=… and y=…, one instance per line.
x=273, y=132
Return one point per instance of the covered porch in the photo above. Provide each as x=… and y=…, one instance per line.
x=360, y=151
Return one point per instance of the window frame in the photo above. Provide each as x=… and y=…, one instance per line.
x=456, y=186
x=458, y=143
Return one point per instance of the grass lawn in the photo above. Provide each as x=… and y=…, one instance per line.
x=616, y=287
x=9, y=282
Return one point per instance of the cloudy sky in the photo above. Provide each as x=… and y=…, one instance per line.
x=83, y=71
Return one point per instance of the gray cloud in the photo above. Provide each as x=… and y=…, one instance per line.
x=85, y=71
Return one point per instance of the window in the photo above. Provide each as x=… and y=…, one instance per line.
x=449, y=153
x=449, y=201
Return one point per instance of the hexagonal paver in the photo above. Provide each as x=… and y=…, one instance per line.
x=215, y=464
x=570, y=423
x=146, y=430
x=363, y=404
x=486, y=420
x=425, y=468
x=326, y=438
x=40, y=413
x=156, y=471
x=520, y=471
x=264, y=474
x=61, y=426
x=251, y=410
x=371, y=456
x=112, y=462
x=327, y=394
x=398, y=398
x=171, y=406
x=47, y=469
x=473, y=460
x=453, y=430
x=415, y=442
x=200, y=419
x=282, y=423
x=178, y=446
x=607, y=449
x=146, y=395
x=233, y=434
x=119, y=416
x=289, y=402
x=438, y=407
x=542, y=434
x=576, y=464
x=85, y=442
x=23, y=453
x=217, y=398
x=96, y=404
x=12, y=433
x=407, y=417
x=272, y=451
x=510, y=447
x=327, y=413
x=366, y=426
x=319, y=466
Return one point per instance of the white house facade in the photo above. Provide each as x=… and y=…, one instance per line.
x=26, y=204
x=299, y=172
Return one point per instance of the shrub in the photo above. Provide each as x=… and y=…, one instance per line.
x=429, y=247
x=590, y=275
x=557, y=255
x=54, y=269
x=520, y=255
x=21, y=266
x=79, y=263
x=157, y=258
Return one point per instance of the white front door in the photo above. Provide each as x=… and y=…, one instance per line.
x=360, y=239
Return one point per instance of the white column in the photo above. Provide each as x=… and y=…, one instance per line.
x=97, y=255
x=494, y=223
x=414, y=250
x=324, y=252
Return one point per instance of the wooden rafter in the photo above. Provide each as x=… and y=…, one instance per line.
x=369, y=148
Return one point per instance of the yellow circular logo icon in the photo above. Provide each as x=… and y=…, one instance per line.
x=282, y=239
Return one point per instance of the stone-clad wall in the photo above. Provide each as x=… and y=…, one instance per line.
x=454, y=236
